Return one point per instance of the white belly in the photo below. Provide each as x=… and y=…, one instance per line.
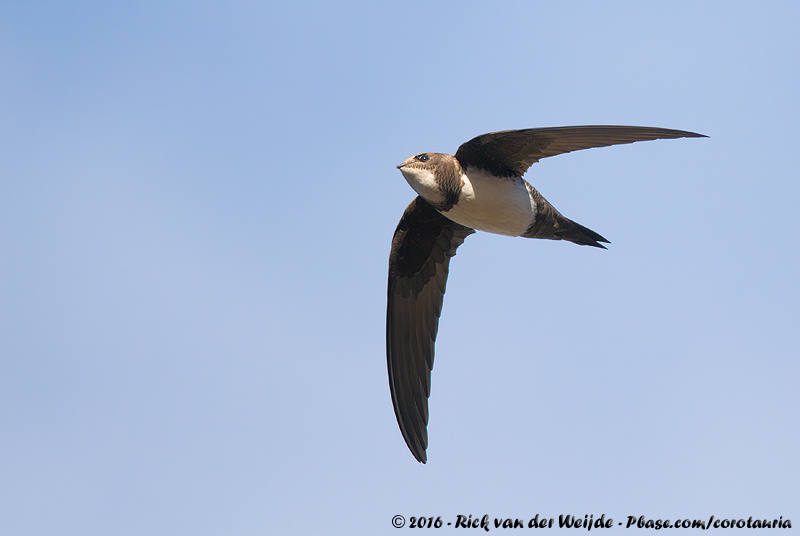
x=495, y=205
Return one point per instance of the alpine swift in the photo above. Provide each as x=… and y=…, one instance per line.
x=480, y=187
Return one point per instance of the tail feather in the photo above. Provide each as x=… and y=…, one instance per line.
x=550, y=224
x=577, y=233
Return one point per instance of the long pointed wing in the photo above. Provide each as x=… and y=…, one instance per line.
x=423, y=244
x=510, y=153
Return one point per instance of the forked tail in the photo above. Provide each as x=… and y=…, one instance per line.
x=551, y=225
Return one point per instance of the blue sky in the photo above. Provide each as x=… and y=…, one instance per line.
x=196, y=206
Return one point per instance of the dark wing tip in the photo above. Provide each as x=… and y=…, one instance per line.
x=679, y=134
x=693, y=134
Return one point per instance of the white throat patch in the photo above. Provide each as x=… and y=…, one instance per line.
x=424, y=183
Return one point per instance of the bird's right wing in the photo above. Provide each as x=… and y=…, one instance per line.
x=423, y=244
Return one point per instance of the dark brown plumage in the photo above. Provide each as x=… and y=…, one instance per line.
x=509, y=153
x=423, y=244
x=426, y=239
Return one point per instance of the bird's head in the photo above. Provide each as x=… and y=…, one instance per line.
x=431, y=175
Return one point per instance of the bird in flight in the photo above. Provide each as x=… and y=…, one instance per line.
x=480, y=187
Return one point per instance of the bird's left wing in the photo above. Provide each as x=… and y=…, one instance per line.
x=510, y=153
x=423, y=244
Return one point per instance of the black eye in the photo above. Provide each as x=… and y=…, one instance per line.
x=423, y=157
